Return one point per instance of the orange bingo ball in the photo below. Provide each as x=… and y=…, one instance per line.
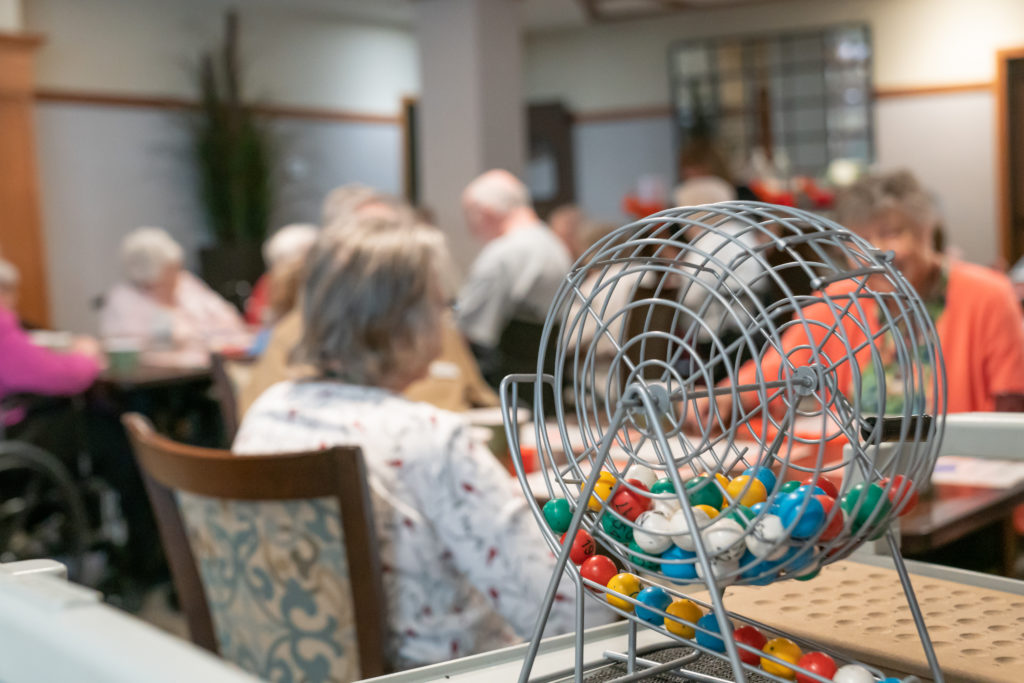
x=602, y=489
x=746, y=490
x=626, y=584
x=786, y=650
x=684, y=611
x=710, y=511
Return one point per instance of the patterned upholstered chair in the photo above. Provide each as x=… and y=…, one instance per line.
x=273, y=557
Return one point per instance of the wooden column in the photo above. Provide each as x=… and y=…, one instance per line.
x=21, y=230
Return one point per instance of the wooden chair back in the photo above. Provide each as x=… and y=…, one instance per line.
x=229, y=376
x=170, y=469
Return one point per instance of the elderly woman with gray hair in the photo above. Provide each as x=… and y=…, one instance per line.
x=165, y=308
x=464, y=555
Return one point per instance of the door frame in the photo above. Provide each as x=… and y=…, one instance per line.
x=1003, y=154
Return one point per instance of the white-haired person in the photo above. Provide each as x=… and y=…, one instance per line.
x=511, y=284
x=466, y=564
x=164, y=307
x=273, y=293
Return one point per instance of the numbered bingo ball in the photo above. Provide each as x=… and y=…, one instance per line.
x=681, y=534
x=823, y=482
x=626, y=584
x=902, y=492
x=602, y=489
x=638, y=557
x=629, y=503
x=663, y=485
x=653, y=535
x=656, y=598
x=643, y=474
x=748, y=635
x=763, y=475
x=724, y=571
x=790, y=486
x=746, y=490
x=866, y=501
x=679, y=565
x=558, y=514
x=834, y=523
x=599, y=569
x=703, y=491
x=853, y=673
x=583, y=546
x=712, y=641
x=817, y=663
x=786, y=650
x=723, y=539
x=766, y=539
x=682, y=611
x=617, y=528
x=801, y=514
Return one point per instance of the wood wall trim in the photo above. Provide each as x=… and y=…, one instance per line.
x=1006, y=241
x=181, y=104
x=24, y=40
x=941, y=89
x=622, y=114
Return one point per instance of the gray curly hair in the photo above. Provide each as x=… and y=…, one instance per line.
x=879, y=192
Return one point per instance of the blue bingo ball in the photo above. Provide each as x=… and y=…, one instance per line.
x=763, y=475
x=656, y=597
x=679, y=572
x=712, y=642
x=802, y=523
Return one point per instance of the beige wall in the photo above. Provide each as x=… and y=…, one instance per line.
x=10, y=15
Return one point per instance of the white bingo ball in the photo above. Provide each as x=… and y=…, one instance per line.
x=766, y=538
x=724, y=571
x=723, y=539
x=853, y=673
x=681, y=530
x=642, y=473
x=666, y=506
x=657, y=542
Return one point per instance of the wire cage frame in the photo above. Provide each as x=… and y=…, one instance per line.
x=710, y=356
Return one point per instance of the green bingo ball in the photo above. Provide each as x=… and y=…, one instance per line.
x=874, y=499
x=639, y=561
x=742, y=515
x=558, y=514
x=789, y=487
x=617, y=529
x=663, y=485
x=704, y=491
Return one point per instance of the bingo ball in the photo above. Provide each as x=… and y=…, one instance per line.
x=602, y=489
x=618, y=529
x=629, y=503
x=802, y=514
x=684, y=611
x=663, y=485
x=583, y=546
x=836, y=524
x=642, y=473
x=703, y=491
x=742, y=515
x=682, y=571
x=639, y=559
x=626, y=584
x=763, y=475
x=746, y=490
x=748, y=635
x=712, y=641
x=724, y=571
x=853, y=673
x=790, y=486
x=724, y=539
x=786, y=650
x=558, y=514
x=903, y=492
x=766, y=538
x=864, y=501
x=817, y=663
x=657, y=542
x=823, y=482
x=681, y=529
x=599, y=569
x=654, y=597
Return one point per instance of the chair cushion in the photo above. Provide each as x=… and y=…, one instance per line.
x=276, y=580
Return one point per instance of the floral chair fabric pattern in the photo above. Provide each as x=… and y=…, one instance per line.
x=276, y=579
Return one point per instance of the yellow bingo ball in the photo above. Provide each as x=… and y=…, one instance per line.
x=685, y=610
x=757, y=493
x=627, y=584
x=602, y=489
x=711, y=512
x=785, y=649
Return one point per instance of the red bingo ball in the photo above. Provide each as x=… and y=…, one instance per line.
x=824, y=483
x=631, y=504
x=835, y=525
x=582, y=547
x=599, y=569
x=817, y=663
x=748, y=635
x=902, y=489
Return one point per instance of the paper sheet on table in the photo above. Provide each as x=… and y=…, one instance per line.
x=967, y=471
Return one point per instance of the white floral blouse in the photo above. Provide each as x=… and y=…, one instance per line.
x=465, y=566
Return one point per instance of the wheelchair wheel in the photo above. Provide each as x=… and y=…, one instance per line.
x=41, y=510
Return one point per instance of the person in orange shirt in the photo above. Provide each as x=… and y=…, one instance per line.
x=977, y=318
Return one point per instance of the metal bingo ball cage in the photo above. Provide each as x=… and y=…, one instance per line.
x=724, y=366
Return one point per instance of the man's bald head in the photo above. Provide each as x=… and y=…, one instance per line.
x=491, y=199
